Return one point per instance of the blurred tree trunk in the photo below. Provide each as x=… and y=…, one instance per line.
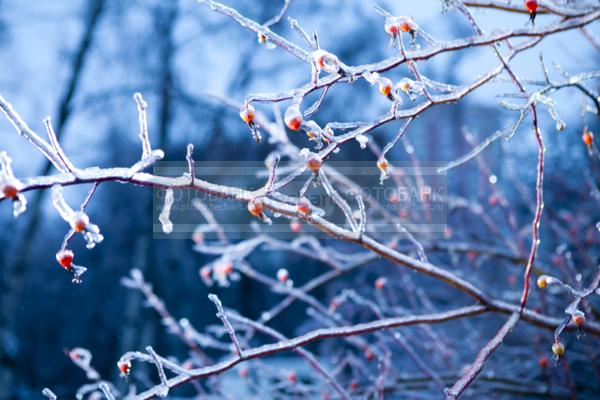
x=16, y=268
x=140, y=332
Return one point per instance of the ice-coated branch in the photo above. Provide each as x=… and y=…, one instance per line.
x=23, y=129
x=49, y=394
x=479, y=362
x=258, y=28
x=307, y=355
x=317, y=335
x=106, y=390
x=223, y=317
x=161, y=372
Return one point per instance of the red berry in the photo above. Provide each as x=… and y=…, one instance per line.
x=283, y=275
x=293, y=118
x=198, y=237
x=243, y=372
x=531, y=6
x=256, y=207
x=512, y=280
x=124, y=366
x=385, y=86
x=314, y=163
x=292, y=377
x=391, y=26
x=10, y=191
x=65, y=258
x=543, y=362
x=296, y=225
x=248, y=113
x=303, y=206
x=369, y=355
x=578, y=319
x=380, y=282
x=205, y=272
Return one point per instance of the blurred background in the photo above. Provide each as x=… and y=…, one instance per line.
x=80, y=62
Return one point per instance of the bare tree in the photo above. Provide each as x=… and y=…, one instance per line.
x=368, y=322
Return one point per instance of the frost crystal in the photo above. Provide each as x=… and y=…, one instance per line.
x=167, y=225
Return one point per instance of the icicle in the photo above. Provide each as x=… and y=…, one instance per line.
x=167, y=225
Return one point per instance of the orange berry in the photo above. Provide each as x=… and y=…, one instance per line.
x=383, y=164
x=314, y=163
x=80, y=221
x=405, y=85
x=248, y=113
x=385, y=86
x=65, y=258
x=293, y=118
x=558, y=349
x=262, y=38
x=303, y=206
x=542, y=282
x=256, y=207
x=587, y=137
x=406, y=26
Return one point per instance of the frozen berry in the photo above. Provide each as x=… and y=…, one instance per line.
x=558, y=349
x=248, y=113
x=303, y=206
x=256, y=207
x=587, y=137
x=80, y=221
x=65, y=258
x=124, y=367
x=314, y=163
x=293, y=118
